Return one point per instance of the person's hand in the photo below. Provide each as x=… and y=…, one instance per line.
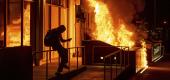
x=69, y=39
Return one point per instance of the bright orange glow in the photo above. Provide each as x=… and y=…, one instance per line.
x=14, y=30
x=124, y=37
x=26, y=26
x=104, y=30
x=2, y=34
x=107, y=32
x=143, y=54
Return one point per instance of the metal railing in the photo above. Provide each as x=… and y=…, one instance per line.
x=115, y=63
x=69, y=57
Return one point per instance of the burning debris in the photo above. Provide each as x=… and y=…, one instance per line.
x=111, y=24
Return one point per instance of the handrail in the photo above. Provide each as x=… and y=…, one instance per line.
x=112, y=59
x=34, y=53
x=112, y=53
x=56, y=50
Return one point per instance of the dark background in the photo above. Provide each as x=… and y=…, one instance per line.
x=157, y=12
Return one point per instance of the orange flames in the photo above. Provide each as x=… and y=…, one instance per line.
x=143, y=54
x=26, y=32
x=14, y=30
x=104, y=29
x=118, y=35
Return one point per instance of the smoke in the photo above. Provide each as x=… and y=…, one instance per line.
x=125, y=9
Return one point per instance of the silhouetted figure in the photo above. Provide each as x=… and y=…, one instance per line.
x=54, y=38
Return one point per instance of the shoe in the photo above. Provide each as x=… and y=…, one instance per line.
x=67, y=67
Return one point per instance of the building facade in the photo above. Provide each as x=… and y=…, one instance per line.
x=25, y=23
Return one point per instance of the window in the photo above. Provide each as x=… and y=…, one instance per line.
x=15, y=34
x=2, y=23
x=62, y=3
x=13, y=23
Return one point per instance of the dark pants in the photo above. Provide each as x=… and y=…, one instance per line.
x=63, y=53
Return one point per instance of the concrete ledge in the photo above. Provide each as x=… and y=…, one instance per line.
x=69, y=75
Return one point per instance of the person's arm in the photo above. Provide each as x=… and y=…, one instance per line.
x=64, y=40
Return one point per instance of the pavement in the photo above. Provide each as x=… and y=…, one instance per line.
x=39, y=72
x=157, y=71
x=92, y=73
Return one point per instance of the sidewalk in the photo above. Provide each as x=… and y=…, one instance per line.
x=158, y=71
x=39, y=72
x=92, y=73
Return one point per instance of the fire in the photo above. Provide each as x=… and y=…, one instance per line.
x=143, y=54
x=27, y=26
x=107, y=32
x=14, y=30
x=104, y=29
x=124, y=37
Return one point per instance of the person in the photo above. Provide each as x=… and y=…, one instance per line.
x=56, y=39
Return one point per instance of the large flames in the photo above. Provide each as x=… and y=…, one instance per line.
x=106, y=31
x=118, y=35
x=14, y=30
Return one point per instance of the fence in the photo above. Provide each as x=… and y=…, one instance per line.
x=115, y=63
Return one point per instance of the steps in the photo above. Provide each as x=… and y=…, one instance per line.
x=70, y=74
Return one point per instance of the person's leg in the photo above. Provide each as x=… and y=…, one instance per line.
x=63, y=53
x=60, y=67
x=65, y=56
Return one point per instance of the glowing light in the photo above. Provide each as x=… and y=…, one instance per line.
x=101, y=57
x=2, y=34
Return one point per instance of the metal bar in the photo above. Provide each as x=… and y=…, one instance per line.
x=46, y=65
x=92, y=54
x=50, y=55
x=104, y=68
x=22, y=21
x=84, y=54
x=124, y=58
x=111, y=68
x=112, y=53
x=76, y=47
x=120, y=60
x=128, y=56
x=116, y=64
x=77, y=57
x=69, y=58
x=5, y=21
x=59, y=59
x=49, y=23
x=55, y=50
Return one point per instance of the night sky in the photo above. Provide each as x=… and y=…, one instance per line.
x=162, y=11
x=163, y=7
